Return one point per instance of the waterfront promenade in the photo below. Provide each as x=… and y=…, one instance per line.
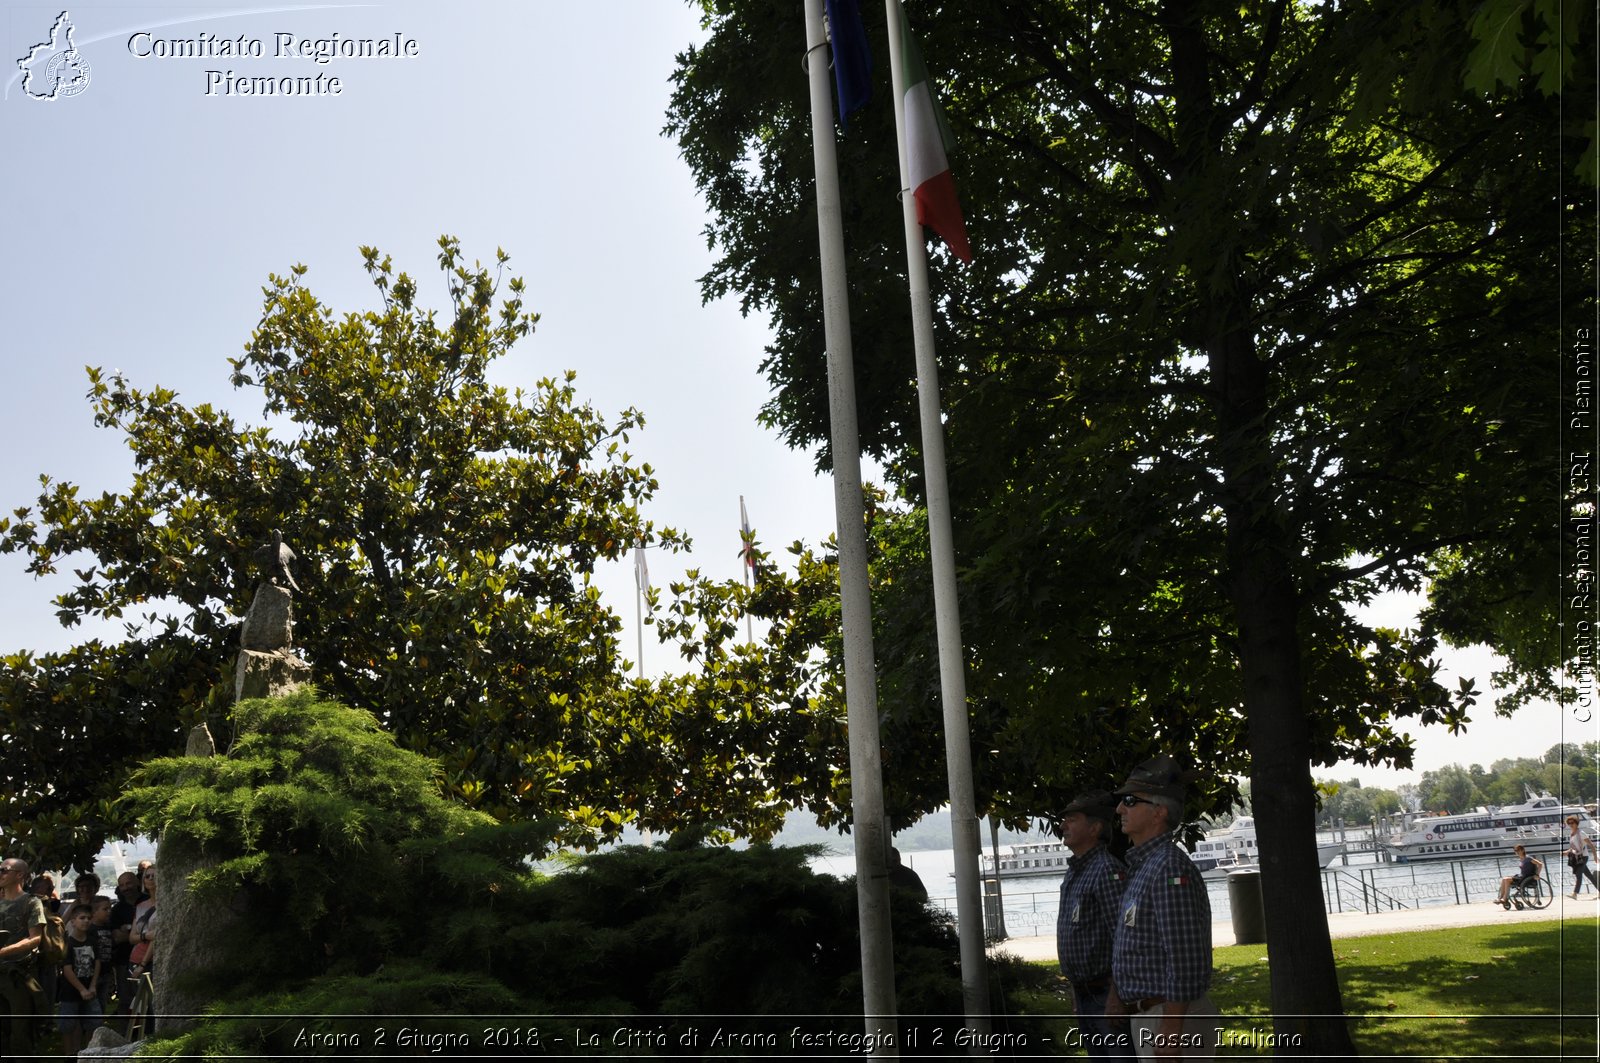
x=1361, y=924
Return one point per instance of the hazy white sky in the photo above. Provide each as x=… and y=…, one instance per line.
x=143, y=214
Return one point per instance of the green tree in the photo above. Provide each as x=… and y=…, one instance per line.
x=448, y=528
x=1538, y=41
x=1565, y=753
x=1355, y=804
x=1450, y=789
x=1385, y=802
x=1231, y=361
x=358, y=889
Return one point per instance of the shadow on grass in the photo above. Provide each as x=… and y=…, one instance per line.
x=1494, y=992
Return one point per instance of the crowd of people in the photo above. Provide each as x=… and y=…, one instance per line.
x=106, y=943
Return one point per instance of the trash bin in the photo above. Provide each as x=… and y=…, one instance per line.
x=1244, y=901
x=994, y=916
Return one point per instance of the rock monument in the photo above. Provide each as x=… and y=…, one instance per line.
x=191, y=936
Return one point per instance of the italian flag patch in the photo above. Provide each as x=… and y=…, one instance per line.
x=1178, y=880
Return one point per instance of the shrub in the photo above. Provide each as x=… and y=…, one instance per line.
x=369, y=905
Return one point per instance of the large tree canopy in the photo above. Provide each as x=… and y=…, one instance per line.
x=1261, y=325
x=448, y=528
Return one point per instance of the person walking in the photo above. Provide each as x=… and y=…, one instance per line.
x=1579, y=848
x=1091, y=897
x=1161, y=948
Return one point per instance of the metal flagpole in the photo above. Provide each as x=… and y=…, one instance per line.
x=860, y=679
x=947, y=614
x=641, y=584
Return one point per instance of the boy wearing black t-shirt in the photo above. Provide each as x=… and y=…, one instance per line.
x=78, y=988
x=105, y=946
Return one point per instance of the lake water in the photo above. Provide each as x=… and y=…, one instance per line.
x=1030, y=903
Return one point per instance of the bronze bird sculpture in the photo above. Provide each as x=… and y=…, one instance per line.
x=275, y=558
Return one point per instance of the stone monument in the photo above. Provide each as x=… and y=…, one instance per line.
x=192, y=935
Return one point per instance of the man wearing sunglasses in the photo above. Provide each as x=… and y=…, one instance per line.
x=21, y=926
x=1091, y=896
x=1161, y=951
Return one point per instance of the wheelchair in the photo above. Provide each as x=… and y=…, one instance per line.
x=1533, y=893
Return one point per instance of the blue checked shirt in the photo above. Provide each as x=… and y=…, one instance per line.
x=1162, y=943
x=1090, y=897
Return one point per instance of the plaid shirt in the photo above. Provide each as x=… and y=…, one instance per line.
x=1090, y=896
x=1162, y=946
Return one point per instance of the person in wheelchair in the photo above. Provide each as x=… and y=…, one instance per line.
x=1527, y=871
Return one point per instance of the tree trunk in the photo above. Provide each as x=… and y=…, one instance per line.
x=1307, y=1006
x=1259, y=580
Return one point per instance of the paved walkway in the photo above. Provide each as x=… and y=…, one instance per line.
x=1360, y=924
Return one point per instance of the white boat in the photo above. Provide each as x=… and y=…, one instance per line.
x=1230, y=849
x=1233, y=848
x=1029, y=859
x=1538, y=823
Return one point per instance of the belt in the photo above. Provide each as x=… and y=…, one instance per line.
x=1144, y=1004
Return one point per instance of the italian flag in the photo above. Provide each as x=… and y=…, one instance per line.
x=928, y=140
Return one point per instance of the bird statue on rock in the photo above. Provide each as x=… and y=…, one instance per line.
x=275, y=558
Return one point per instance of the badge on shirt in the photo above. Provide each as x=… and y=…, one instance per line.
x=1077, y=911
x=1130, y=915
x=1178, y=880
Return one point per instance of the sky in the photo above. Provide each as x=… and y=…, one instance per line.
x=144, y=212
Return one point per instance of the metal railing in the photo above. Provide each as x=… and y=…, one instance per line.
x=1343, y=891
x=1370, y=889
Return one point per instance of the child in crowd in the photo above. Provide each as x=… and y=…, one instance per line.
x=104, y=946
x=85, y=888
x=78, y=989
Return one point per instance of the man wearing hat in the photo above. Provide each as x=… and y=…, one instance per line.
x=1091, y=897
x=1161, y=949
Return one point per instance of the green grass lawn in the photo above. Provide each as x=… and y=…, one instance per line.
x=1513, y=992
x=1498, y=992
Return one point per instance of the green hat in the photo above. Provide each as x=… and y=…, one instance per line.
x=1158, y=775
x=1096, y=803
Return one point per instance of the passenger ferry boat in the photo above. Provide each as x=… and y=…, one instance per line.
x=1230, y=849
x=1539, y=823
x=1233, y=848
x=1029, y=859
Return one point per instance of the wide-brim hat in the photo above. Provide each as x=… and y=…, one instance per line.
x=1096, y=803
x=1159, y=776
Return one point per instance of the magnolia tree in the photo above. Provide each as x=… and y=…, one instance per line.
x=448, y=530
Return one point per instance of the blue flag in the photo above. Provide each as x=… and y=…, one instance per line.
x=852, y=59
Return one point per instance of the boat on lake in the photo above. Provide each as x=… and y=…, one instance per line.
x=1029, y=859
x=1233, y=848
x=1538, y=823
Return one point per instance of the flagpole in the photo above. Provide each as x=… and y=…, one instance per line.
x=947, y=612
x=861, y=697
x=641, y=580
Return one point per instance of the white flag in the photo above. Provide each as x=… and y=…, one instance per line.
x=747, y=541
x=641, y=570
